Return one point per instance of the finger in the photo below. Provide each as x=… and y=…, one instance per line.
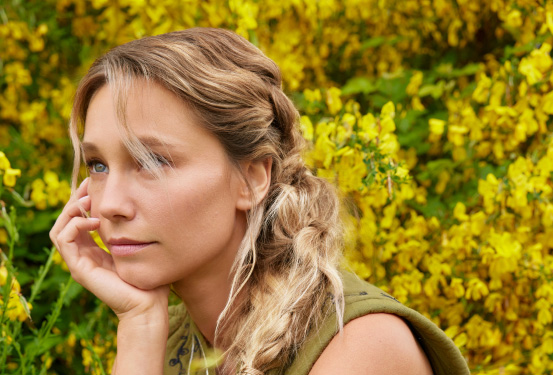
x=68, y=211
x=101, y=257
x=82, y=190
x=71, y=210
x=66, y=240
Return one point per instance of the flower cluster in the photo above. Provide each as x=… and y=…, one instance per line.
x=49, y=191
x=17, y=307
x=432, y=117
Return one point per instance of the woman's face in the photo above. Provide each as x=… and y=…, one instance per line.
x=182, y=227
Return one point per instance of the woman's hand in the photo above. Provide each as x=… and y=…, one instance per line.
x=94, y=268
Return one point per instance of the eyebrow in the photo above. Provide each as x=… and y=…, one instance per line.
x=148, y=141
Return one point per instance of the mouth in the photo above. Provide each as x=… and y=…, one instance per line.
x=126, y=247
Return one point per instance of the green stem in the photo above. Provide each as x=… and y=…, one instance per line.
x=42, y=274
x=45, y=329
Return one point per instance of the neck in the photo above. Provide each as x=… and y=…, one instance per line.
x=206, y=293
x=205, y=300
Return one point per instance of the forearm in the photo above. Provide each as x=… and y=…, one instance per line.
x=141, y=345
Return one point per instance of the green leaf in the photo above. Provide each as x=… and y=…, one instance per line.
x=23, y=302
x=358, y=85
x=436, y=91
x=436, y=166
x=373, y=42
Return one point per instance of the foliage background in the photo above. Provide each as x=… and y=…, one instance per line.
x=432, y=116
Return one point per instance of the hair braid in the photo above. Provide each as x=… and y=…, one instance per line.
x=297, y=254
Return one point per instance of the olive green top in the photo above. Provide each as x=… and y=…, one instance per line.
x=186, y=347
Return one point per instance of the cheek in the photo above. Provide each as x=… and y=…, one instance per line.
x=95, y=193
x=202, y=204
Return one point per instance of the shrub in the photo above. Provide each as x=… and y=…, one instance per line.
x=432, y=117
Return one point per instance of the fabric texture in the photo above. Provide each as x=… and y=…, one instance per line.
x=186, y=347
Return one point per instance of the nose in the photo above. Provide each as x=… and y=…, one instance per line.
x=116, y=202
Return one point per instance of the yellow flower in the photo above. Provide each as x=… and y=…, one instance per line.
x=10, y=176
x=457, y=287
x=388, y=110
x=333, y=100
x=11, y=365
x=3, y=275
x=312, y=95
x=306, y=128
x=87, y=357
x=534, y=66
x=16, y=310
x=452, y=32
x=460, y=212
x=416, y=104
x=514, y=19
x=402, y=172
x=72, y=340
x=455, y=134
x=506, y=257
x=17, y=74
x=547, y=103
x=96, y=237
x=436, y=126
x=544, y=312
x=549, y=20
x=414, y=84
x=461, y=340
x=37, y=194
x=368, y=129
x=443, y=179
x=57, y=259
x=4, y=162
x=482, y=90
x=476, y=289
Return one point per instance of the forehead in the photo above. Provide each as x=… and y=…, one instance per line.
x=146, y=110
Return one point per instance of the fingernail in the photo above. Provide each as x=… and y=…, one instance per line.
x=85, y=180
x=83, y=198
x=93, y=219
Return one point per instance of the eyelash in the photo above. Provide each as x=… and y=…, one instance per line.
x=90, y=165
x=160, y=160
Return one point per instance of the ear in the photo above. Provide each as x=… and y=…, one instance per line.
x=258, y=176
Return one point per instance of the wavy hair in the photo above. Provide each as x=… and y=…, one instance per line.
x=286, y=267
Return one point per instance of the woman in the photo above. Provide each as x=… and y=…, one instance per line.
x=197, y=184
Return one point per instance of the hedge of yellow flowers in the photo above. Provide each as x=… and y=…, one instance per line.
x=433, y=117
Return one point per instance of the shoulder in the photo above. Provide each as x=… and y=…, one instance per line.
x=373, y=344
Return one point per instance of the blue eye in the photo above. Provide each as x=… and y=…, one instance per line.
x=95, y=166
x=99, y=168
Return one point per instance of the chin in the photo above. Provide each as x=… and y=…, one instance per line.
x=139, y=279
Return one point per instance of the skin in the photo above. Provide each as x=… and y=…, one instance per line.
x=188, y=226
x=374, y=344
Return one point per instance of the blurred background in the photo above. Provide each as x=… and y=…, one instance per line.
x=433, y=117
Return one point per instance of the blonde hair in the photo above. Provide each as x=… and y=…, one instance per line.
x=286, y=266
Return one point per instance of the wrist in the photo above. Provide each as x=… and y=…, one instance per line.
x=151, y=318
x=141, y=344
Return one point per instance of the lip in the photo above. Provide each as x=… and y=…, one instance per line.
x=125, y=246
